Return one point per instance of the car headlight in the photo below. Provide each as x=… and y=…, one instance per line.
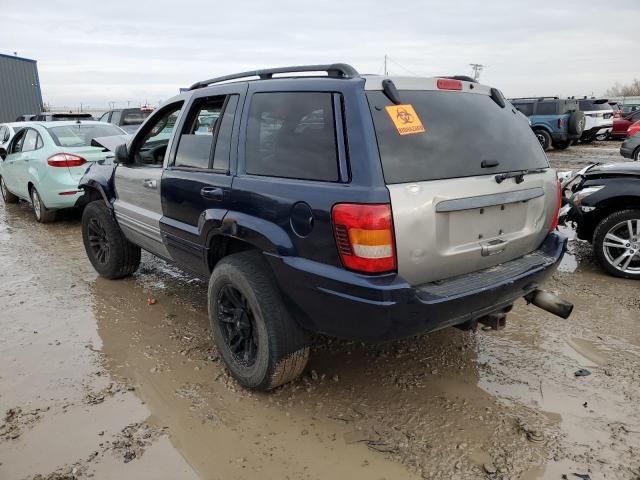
x=578, y=197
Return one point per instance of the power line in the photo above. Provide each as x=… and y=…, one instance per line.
x=477, y=68
x=402, y=66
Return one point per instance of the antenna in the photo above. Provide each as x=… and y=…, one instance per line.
x=477, y=68
x=386, y=72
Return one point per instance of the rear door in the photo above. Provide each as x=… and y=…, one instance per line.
x=452, y=214
x=196, y=185
x=138, y=205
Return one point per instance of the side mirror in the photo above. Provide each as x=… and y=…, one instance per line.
x=3, y=153
x=122, y=154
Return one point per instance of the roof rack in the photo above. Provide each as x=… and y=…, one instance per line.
x=535, y=98
x=335, y=70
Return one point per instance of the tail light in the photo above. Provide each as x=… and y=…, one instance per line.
x=556, y=215
x=65, y=160
x=449, y=84
x=364, y=237
x=560, y=122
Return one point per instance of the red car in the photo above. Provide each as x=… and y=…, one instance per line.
x=633, y=129
x=620, y=125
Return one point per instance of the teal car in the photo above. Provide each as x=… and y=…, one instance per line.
x=44, y=162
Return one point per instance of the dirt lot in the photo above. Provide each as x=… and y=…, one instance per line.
x=97, y=382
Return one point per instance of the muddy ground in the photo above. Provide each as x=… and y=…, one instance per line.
x=98, y=382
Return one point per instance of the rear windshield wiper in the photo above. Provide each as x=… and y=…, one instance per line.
x=518, y=174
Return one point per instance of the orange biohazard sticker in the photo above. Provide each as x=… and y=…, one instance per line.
x=405, y=118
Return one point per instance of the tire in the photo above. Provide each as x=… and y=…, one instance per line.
x=261, y=344
x=576, y=122
x=587, y=139
x=110, y=253
x=544, y=138
x=603, y=137
x=7, y=196
x=562, y=145
x=604, y=245
x=636, y=155
x=42, y=213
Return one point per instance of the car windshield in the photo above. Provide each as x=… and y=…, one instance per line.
x=80, y=135
x=458, y=132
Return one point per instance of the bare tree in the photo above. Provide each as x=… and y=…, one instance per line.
x=630, y=90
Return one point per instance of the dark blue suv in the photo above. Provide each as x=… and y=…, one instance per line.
x=556, y=122
x=356, y=206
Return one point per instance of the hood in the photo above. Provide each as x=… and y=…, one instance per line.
x=110, y=143
x=615, y=169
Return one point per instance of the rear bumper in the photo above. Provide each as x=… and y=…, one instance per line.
x=333, y=301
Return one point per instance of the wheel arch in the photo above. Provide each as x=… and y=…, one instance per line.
x=606, y=208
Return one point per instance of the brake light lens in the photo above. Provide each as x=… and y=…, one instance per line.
x=449, y=84
x=364, y=237
x=65, y=160
x=556, y=215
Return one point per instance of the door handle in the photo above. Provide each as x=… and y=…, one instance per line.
x=212, y=193
x=150, y=184
x=493, y=247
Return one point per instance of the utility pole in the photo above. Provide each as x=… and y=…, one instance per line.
x=385, y=65
x=477, y=68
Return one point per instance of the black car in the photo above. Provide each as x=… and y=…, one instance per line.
x=603, y=201
x=129, y=119
x=630, y=148
x=60, y=117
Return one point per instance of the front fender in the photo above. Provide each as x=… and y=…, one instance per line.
x=99, y=177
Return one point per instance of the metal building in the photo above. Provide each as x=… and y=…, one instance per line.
x=19, y=87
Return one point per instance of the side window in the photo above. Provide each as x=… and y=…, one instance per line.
x=30, y=140
x=39, y=143
x=525, y=108
x=16, y=145
x=292, y=135
x=115, y=117
x=152, y=146
x=223, y=142
x=196, y=141
x=104, y=117
x=546, y=108
x=4, y=134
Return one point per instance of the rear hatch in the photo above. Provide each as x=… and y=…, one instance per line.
x=451, y=214
x=75, y=139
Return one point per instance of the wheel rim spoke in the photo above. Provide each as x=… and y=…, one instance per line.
x=237, y=324
x=613, y=238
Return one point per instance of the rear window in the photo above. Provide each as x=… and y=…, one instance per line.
x=525, y=108
x=591, y=105
x=57, y=117
x=461, y=130
x=134, y=117
x=81, y=135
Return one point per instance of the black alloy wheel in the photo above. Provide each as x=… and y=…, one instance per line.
x=238, y=325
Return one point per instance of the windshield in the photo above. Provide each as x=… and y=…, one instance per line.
x=80, y=135
x=461, y=130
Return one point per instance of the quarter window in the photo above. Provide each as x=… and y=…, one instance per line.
x=292, y=135
x=30, y=141
x=548, y=108
x=223, y=142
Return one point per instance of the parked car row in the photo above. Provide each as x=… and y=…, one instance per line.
x=559, y=122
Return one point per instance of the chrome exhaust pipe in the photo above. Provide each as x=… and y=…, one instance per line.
x=550, y=302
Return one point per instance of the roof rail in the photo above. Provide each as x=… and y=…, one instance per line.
x=335, y=70
x=535, y=98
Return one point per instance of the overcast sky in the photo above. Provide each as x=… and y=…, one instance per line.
x=113, y=50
